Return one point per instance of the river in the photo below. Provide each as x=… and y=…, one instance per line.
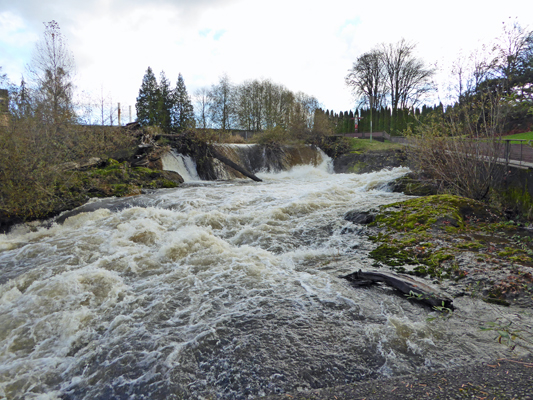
x=226, y=289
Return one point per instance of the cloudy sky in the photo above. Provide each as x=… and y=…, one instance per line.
x=305, y=45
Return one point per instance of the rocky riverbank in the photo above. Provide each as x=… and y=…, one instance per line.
x=108, y=179
x=461, y=245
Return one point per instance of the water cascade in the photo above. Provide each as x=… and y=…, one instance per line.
x=229, y=290
x=254, y=158
x=183, y=165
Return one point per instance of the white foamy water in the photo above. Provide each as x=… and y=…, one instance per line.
x=229, y=290
x=183, y=165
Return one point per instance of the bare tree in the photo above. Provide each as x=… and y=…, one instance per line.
x=367, y=79
x=392, y=73
x=202, y=103
x=407, y=77
x=222, y=106
x=52, y=71
x=513, y=62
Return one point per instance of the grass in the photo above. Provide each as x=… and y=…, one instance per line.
x=520, y=136
x=366, y=144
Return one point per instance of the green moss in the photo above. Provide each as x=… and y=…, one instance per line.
x=165, y=183
x=423, y=213
x=112, y=162
x=470, y=246
x=357, y=167
x=120, y=189
x=392, y=255
x=436, y=258
x=509, y=251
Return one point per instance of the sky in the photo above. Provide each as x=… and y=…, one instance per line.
x=305, y=45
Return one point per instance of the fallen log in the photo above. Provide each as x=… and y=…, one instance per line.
x=405, y=284
x=233, y=165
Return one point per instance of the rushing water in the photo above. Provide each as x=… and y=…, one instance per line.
x=182, y=164
x=224, y=290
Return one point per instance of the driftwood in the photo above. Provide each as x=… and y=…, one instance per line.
x=233, y=165
x=405, y=284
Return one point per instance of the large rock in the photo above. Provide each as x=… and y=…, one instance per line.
x=370, y=161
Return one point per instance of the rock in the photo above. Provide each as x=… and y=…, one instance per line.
x=92, y=162
x=172, y=176
x=68, y=166
x=370, y=161
x=360, y=217
x=414, y=185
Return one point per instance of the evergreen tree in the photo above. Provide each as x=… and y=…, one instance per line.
x=165, y=103
x=183, y=111
x=351, y=127
x=22, y=106
x=148, y=100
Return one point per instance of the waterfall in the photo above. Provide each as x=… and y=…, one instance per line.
x=183, y=165
x=257, y=158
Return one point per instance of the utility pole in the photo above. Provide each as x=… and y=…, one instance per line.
x=119, y=114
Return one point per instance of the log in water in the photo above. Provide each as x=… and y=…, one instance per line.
x=234, y=165
x=407, y=285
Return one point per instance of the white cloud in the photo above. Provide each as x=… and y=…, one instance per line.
x=305, y=45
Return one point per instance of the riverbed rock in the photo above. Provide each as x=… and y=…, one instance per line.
x=414, y=184
x=370, y=161
x=360, y=217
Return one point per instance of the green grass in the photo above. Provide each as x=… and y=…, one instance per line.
x=366, y=144
x=520, y=136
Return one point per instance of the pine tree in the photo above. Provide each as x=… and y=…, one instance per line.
x=148, y=99
x=351, y=127
x=165, y=103
x=183, y=111
x=22, y=102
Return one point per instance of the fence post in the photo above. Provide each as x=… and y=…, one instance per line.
x=507, y=152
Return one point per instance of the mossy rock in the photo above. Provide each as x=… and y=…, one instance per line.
x=412, y=186
x=437, y=211
x=392, y=255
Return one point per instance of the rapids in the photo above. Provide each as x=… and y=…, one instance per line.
x=226, y=289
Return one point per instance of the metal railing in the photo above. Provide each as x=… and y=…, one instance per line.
x=518, y=152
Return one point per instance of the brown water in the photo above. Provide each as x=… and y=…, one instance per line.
x=225, y=290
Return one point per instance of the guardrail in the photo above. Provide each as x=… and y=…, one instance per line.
x=517, y=154
x=521, y=152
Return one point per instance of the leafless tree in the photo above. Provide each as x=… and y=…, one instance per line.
x=408, y=78
x=202, y=99
x=222, y=107
x=51, y=72
x=367, y=79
